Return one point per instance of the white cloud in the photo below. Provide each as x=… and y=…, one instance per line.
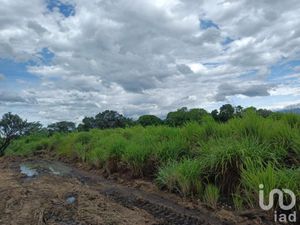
x=148, y=56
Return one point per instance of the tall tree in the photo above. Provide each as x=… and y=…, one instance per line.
x=264, y=112
x=148, y=120
x=111, y=119
x=87, y=124
x=225, y=113
x=11, y=127
x=62, y=127
x=34, y=127
x=183, y=115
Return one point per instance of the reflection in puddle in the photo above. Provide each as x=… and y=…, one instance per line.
x=71, y=200
x=32, y=169
x=54, y=171
x=29, y=172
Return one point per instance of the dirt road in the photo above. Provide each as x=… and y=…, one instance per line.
x=41, y=192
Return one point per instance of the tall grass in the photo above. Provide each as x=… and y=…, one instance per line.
x=182, y=177
x=211, y=195
x=236, y=156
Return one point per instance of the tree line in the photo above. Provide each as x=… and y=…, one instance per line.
x=13, y=126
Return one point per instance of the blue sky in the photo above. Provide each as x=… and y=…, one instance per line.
x=72, y=58
x=66, y=9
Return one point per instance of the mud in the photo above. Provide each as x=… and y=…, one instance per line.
x=48, y=192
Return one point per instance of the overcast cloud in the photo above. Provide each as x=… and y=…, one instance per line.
x=146, y=56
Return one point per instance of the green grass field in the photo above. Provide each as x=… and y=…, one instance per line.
x=209, y=161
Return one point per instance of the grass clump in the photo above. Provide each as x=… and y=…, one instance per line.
x=211, y=195
x=256, y=172
x=182, y=177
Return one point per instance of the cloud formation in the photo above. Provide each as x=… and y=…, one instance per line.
x=146, y=56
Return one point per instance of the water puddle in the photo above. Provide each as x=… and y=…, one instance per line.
x=29, y=172
x=32, y=169
x=71, y=200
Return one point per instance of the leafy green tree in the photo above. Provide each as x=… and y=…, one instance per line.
x=238, y=111
x=147, y=120
x=33, y=128
x=11, y=127
x=251, y=108
x=87, y=124
x=177, y=118
x=225, y=113
x=264, y=112
x=183, y=115
x=196, y=114
x=215, y=114
x=62, y=127
x=111, y=119
x=104, y=120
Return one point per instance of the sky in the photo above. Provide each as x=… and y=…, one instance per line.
x=63, y=60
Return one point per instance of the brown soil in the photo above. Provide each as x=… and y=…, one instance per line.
x=44, y=199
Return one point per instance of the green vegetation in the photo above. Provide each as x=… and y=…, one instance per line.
x=148, y=120
x=211, y=195
x=12, y=126
x=204, y=158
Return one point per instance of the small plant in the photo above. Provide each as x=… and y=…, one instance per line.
x=167, y=177
x=238, y=201
x=211, y=195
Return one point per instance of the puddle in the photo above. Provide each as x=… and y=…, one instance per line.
x=29, y=172
x=71, y=200
x=31, y=169
x=54, y=171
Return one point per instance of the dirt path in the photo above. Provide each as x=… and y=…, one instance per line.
x=54, y=193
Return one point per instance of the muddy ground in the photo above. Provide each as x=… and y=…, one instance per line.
x=38, y=191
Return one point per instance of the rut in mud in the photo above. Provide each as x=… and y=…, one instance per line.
x=86, y=198
x=164, y=209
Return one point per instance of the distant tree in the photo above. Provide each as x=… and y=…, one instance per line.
x=111, y=119
x=238, y=111
x=11, y=127
x=177, y=118
x=62, y=127
x=215, y=114
x=104, y=120
x=183, y=115
x=196, y=114
x=225, y=113
x=251, y=108
x=264, y=112
x=147, y=120
x=33, y=128
x=87, y=124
